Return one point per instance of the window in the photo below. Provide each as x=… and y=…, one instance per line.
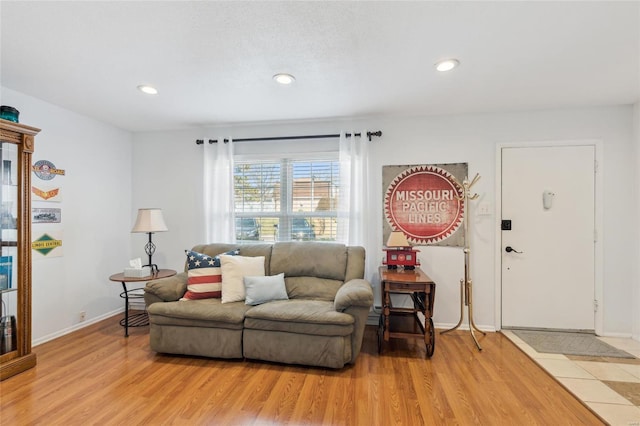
x=286, y=199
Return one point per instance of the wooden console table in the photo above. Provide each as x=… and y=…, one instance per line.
x=404, y=322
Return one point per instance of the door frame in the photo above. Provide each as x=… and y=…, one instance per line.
x=599, y=208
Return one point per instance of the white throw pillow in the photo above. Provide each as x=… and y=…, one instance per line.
x=265, y=289
x=234, y=269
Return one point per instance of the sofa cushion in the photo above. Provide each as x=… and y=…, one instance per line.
x=309, y=259
x=234, y=269
x=264, y=289
x=314, y=317
x=204, y=275
x=199, y=313
x=312, y=288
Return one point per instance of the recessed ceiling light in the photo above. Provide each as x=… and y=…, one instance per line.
x=447, y=65
x=284, y=78
x=149, y=90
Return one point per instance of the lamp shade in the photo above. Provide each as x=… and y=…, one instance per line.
x=149, y=220
x=397, y=239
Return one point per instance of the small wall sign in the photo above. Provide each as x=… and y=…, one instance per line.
x=46, y=215
x=48, y=245
x=45, y=193
x=46, y=170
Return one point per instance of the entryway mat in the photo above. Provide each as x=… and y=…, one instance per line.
x=567, y=343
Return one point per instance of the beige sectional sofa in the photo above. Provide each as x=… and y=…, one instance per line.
x=321, y=324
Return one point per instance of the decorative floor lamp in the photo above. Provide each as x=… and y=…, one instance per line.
x=150, y=221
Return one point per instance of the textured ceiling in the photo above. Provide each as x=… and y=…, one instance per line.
x=213, y=62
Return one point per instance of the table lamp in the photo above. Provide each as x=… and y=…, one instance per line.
x=397, y=239
x=150, y=221
x=400, y=252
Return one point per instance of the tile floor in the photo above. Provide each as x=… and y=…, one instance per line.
x=609, y=386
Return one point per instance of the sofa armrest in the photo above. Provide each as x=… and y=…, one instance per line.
x=167, y=289
x=357, y=292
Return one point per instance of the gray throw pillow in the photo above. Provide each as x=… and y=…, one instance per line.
x=264, y=289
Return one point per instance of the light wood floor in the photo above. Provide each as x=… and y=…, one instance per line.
x=96, y=376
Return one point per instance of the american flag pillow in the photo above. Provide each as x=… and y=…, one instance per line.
x=204, y=275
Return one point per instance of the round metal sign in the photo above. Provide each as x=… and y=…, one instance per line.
x=425, y=203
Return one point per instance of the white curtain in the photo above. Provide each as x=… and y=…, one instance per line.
x=354, y=209
x=218, y=192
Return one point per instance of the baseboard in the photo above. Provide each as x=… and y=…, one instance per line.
x=620, y=335
x=465, y=327
x=374, y=317
x=81, y=325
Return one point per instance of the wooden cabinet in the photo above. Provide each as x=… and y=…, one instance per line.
x=16, y=148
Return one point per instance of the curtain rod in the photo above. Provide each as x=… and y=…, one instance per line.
x=285, y=138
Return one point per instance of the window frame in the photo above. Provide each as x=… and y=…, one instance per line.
x=287, y=214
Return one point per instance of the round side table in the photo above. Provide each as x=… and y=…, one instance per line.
x=139, y=319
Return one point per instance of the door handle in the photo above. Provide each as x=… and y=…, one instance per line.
x=510, y=249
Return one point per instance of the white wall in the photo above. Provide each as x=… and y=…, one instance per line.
x=168, y=170
x=96, y=210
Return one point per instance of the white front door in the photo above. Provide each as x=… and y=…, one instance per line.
x=548, y=277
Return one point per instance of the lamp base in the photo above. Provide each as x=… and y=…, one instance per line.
x=150, y=248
